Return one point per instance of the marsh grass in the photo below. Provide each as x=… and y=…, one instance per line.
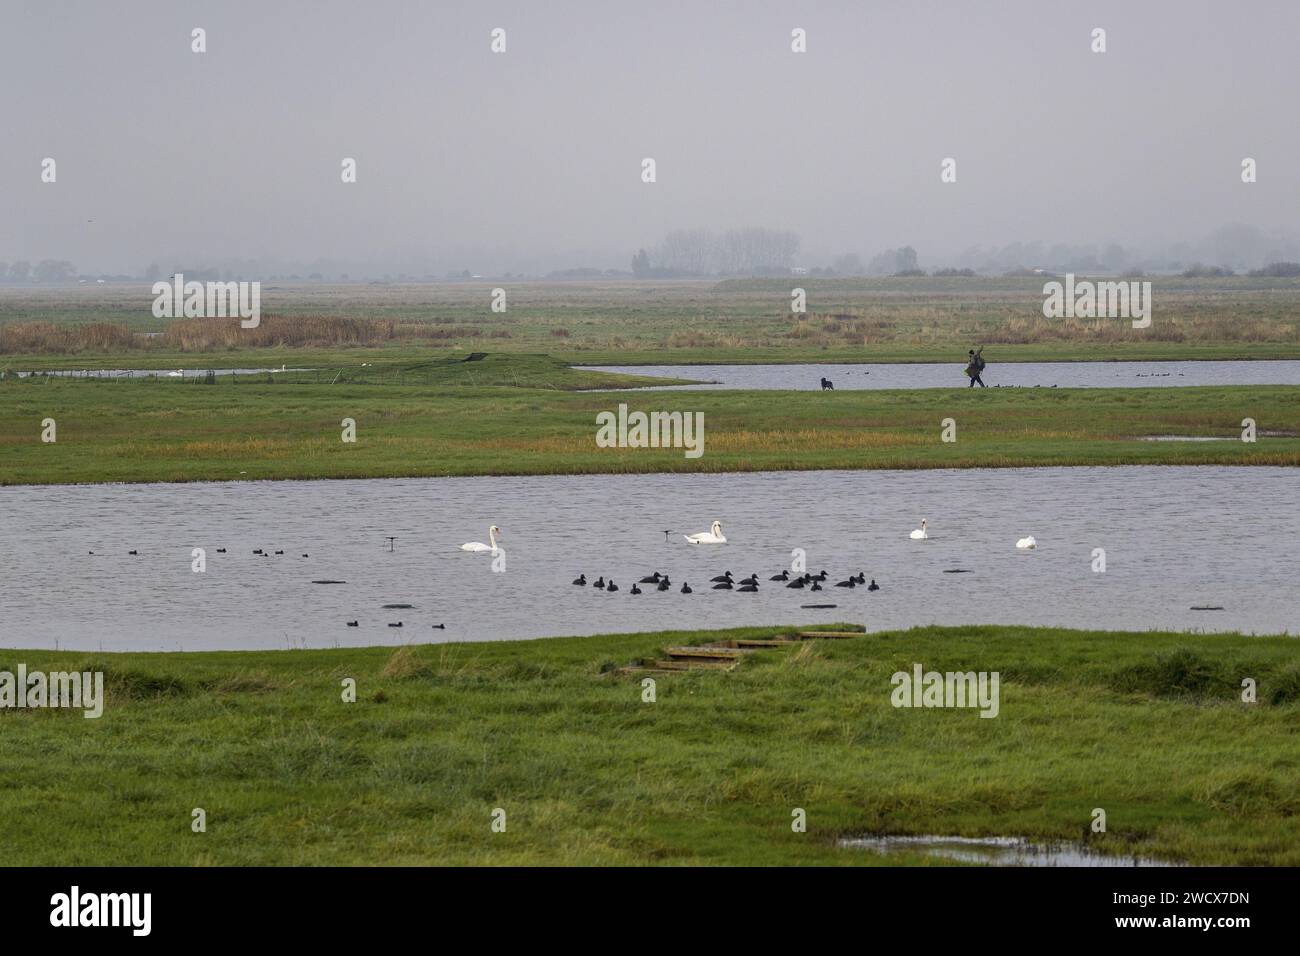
x=46, y=338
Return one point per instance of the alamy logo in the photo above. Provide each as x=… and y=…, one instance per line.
x=213, y=300
x=1091, y=300
x=84, y=691
x=953, y=689
x=653, y=430
x=103, y=909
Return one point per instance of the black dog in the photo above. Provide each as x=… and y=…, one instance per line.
x=828, y=385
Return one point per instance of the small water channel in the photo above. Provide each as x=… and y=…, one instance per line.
x=996, y=851
x=996, y=375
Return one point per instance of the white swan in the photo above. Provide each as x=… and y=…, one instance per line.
x=480, y=546
x=920, y=534
x=1027, y=544
x=712, y=536
x=176, y=374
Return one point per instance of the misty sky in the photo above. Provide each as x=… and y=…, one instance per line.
x=530, y=160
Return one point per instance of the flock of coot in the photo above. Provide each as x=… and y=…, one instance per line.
x=728, y=582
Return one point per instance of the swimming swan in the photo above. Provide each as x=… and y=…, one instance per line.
x=920, y=534
x=712, y=536
x=1027, y=544
x=480, y=546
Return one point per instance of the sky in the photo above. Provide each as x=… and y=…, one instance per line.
x=531, y=159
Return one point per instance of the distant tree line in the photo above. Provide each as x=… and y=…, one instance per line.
x=701, y=252
x=47, y=270
x=1199, y=271
x=902, y=261
x=1278, y=270
x=1274, y=270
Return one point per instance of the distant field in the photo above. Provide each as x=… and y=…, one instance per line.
x=629, y=322
x=1149, y=727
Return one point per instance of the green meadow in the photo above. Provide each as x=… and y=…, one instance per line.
x=1152, y=730
x=522, y=414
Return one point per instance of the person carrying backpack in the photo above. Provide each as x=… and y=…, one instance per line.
x=975, y=367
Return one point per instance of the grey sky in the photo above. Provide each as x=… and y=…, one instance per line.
x=530, y=160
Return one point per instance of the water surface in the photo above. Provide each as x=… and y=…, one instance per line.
x=997, y=374
x=1174, y=537
x=996, y=851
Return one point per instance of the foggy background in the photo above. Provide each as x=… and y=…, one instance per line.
x=530, y=161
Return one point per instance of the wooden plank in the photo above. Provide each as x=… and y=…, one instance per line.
x=696, y=665
x=719, y=653
x=723, y=655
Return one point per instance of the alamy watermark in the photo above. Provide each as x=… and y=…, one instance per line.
x=77, y=690
x=923, y=688
x=75, y=908
x=213, y=300
x=1091, y=300
x=651, y=430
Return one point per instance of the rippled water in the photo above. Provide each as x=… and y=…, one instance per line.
x=951, y=374
x=1174, y=538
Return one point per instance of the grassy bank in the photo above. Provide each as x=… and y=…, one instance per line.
x=512, y=415
x=341, y=368
x=1149, y=727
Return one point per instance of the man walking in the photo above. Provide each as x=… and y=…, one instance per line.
x=975, y=366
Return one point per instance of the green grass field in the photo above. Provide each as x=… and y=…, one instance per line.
x=521, y=415
x=1148, y=727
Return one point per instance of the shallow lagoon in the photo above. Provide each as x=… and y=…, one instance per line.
x=1174, y=538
